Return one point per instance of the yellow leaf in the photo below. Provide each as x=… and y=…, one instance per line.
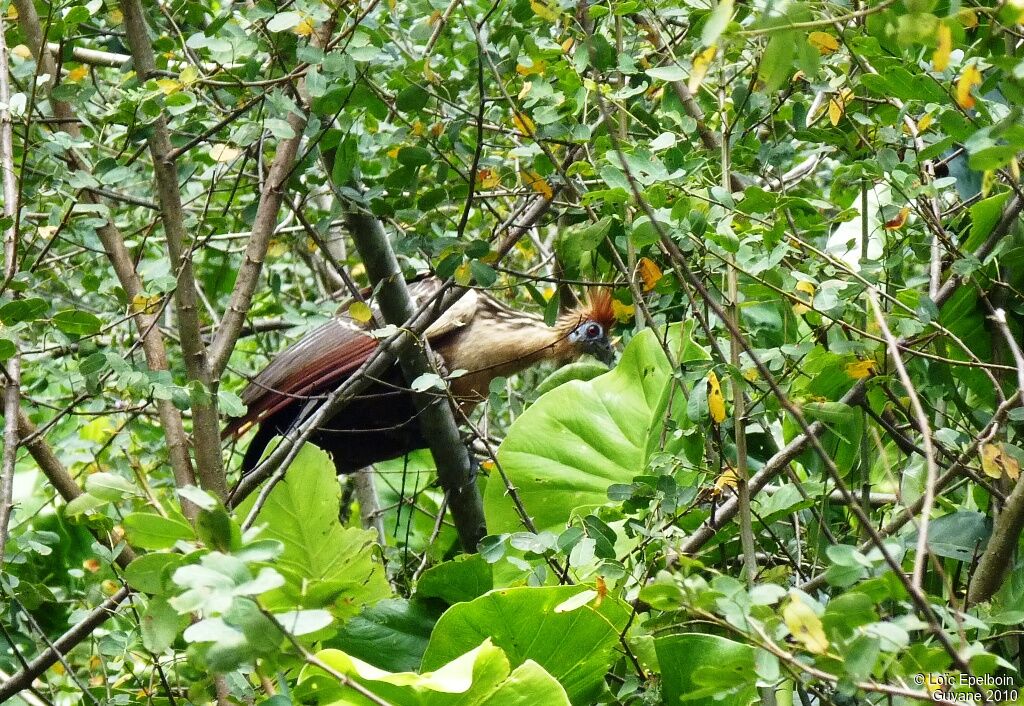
x=115, y=16
x=701, y=64
x=751, y=375
x=925, y=122
x=21, y=51
x=970, y=78
x=190, y=74
x=305, y=27
x=393, y=153
x=360, y=312
x=967, y=17
x=12, y=12
x=463, y=274
x=995, y=462
x=536, y=182
x=523, y=123
x=418, y=129
x=221, y=152
x=276, y=248
x=623, y=312
x=77, y=74
x=525, y=90
x=168, y=85
x=804, y=625
x=716, y=402
x=899, y=220
x=567, y=45
x=835, y=111
x=860, y=369
x=145, y=304
x=824, y=42
x=940, y=59
x=535, y=67
x=989, y=178
x=727, y=480
x=487, y=178
x=808, y=289
x=650, y=273
x=545, y=11
x=428, y=73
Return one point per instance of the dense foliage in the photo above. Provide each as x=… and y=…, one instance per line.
x=799, y=484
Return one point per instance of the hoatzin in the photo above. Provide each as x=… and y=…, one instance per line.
x=477, y=334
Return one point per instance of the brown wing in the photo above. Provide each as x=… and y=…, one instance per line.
x=311, y=366
x=315, y=364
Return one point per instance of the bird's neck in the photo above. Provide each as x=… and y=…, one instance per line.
x=499, y=345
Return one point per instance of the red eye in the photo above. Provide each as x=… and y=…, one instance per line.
x=593, y=331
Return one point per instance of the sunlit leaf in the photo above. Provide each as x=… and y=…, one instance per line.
x=716, y=401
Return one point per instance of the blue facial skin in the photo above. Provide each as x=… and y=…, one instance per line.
x=594, y=339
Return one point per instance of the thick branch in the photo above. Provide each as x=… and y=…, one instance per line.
x=435, y=417
x=256, y=249
x=120, y=259
x=205, y=422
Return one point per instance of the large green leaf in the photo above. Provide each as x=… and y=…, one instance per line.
x=480, y=677
x=391, y=634
x=322, y=562
x=563, y=452
x=575, y=645
x=698, y=668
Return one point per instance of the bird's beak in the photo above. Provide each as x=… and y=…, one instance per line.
x=605, y=353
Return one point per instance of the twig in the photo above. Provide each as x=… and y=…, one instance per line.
x=921, y=555
x=61, y=646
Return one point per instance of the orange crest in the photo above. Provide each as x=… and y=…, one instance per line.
x=599, y=307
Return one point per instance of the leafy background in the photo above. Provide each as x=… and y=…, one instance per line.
x=780, y=195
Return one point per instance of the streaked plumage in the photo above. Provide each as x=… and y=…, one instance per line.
x=478, y=334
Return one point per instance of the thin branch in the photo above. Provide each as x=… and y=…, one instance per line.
x=62, y=645
x=926, y=440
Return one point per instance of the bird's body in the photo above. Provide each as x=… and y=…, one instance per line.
x=477, y=334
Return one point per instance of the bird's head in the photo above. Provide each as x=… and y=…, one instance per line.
x=588, y=326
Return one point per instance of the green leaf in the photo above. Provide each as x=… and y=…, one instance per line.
x=577, y=648
x=670, y=73
x=584, y=370
x=462, y=579
x=716, y=23
x=160, y=624
x=411, y=99
x=699, y=669
x=77, y=323
x=150, y=572
x=23, y=310
x=403, y=625
x=777, y=60
x=564, y=452
x=480, y=677
x=323, y=563
x=960, y=535
x=109, y=486
x=148, y=531
x=984, y=216
x=414, y=156
x=7, y=349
